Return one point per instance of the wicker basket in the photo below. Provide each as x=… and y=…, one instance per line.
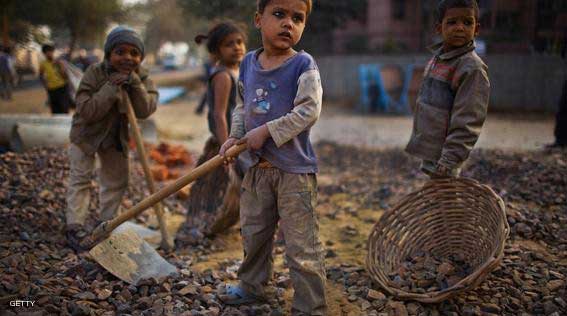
x=445, y=217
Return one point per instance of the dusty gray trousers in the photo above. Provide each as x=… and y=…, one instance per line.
x=270, y=195
x=113, y=180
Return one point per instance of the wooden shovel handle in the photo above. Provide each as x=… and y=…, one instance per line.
x=107, y=227
x=146, y=166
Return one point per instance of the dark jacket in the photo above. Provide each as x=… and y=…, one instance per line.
x=100, y=107
x=451, y=107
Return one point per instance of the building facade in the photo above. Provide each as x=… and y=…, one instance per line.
x=507, y=26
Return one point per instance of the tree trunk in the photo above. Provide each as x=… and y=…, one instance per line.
x=5, y=30
x=72, y=44
x=561, y=118
x=73, y=32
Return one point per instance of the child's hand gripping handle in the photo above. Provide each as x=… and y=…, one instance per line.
x=105, y=228
x=231, y=142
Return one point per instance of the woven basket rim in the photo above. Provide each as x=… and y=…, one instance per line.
x=472, y=279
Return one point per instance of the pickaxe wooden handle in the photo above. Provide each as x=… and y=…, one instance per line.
x=166, y=244
x=104, y=229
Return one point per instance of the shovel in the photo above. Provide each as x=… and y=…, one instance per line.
x=166, y=243
x=126, y=255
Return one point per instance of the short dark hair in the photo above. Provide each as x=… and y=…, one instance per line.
x=262, y=4
x=47, y=48
x=218, y=33
x=445, y=5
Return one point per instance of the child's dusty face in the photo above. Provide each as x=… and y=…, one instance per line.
x=125, y=58
x=282, y=23
x=49, y=54
x=232, y=49
x=458, y=28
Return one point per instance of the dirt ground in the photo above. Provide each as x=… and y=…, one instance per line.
x=510, y=132
x=177, y=122
x=356, y=187
x=33, y=99
x=339, y=126
x=348, y=207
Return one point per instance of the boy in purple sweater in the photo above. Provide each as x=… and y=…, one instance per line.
x=281, y=96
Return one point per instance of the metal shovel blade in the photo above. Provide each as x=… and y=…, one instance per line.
x=150, y=236
x=130, y=258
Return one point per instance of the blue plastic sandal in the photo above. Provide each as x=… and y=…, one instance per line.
x=235, y=295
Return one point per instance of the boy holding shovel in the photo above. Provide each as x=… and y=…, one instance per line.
x=281, y=95
x=100, y=125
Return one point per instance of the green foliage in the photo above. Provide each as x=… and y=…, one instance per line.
x=326, y=16
x=391, y=46
x=169, y=22
x=357, y=44
x=18, y=19
x=84, y=20
x=330, y=14
x=239, y=10
x=204, y=13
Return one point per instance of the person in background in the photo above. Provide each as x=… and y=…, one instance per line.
x=81, y=61
x=7, y=73
x=54, y=79
x=209, y=66
x=453, y=99
x=560, y=131
x=214, y=203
